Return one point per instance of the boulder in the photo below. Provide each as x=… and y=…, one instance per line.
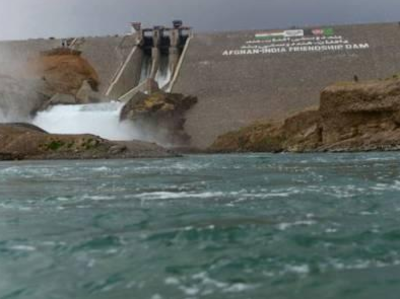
x=130, y=106
x=160, y=116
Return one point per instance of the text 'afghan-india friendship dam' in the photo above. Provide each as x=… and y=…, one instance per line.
x=238, y=77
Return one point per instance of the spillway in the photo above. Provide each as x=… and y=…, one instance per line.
x=163, y=76
x=97, y=119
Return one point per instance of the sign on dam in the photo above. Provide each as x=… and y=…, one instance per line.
x=242, y=77
x=296, y=41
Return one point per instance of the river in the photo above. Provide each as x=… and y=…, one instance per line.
x=249, y=226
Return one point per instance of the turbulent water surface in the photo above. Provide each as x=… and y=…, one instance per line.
x=236, y=226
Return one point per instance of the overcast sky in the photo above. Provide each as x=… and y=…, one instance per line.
x=20, y=19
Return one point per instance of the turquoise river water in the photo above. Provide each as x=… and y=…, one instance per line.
x=234, y=226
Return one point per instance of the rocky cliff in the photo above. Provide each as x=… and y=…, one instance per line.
x=360, y=116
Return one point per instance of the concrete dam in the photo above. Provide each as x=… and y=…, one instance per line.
x=238, y=77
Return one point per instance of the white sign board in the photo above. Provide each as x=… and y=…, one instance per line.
x=291, y=41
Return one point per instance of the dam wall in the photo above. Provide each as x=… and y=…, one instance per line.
x=128, y=76
x=242, y=77
x=107, y=55
x=238, y=77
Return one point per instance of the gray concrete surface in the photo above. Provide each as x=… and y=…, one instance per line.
x=128, y=76
x=236, y=90
x=107, y=55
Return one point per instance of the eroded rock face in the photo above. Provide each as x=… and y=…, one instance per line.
x=63, y=71
x=351, y=117
x=160, y=116
x=27, y=142
x=359, y=110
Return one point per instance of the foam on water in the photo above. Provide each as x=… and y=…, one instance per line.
x=98, y=119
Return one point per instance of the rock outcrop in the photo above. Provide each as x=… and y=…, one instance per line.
x=351, y=117
x=60, y=76
x=27, y=142
x=160, y=116
x=63, y=71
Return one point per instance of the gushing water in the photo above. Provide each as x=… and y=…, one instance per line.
x=163, y=76
x=97, y=119
x=146, y=68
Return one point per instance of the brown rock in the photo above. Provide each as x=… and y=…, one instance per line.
x=63, y=71
x=360, y=116
x=129, y=108
x=117, y=149
x=260, y=137
x=302, y=131
x=21, y=142
x=60, y=73
x=160, y=116
x=351, y=110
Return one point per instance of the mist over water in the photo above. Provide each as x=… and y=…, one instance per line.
x=13, y=116
x=19, y=88
x=97, y=119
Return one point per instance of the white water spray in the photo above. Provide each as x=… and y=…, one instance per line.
x=97, y=119
x=163, y=77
